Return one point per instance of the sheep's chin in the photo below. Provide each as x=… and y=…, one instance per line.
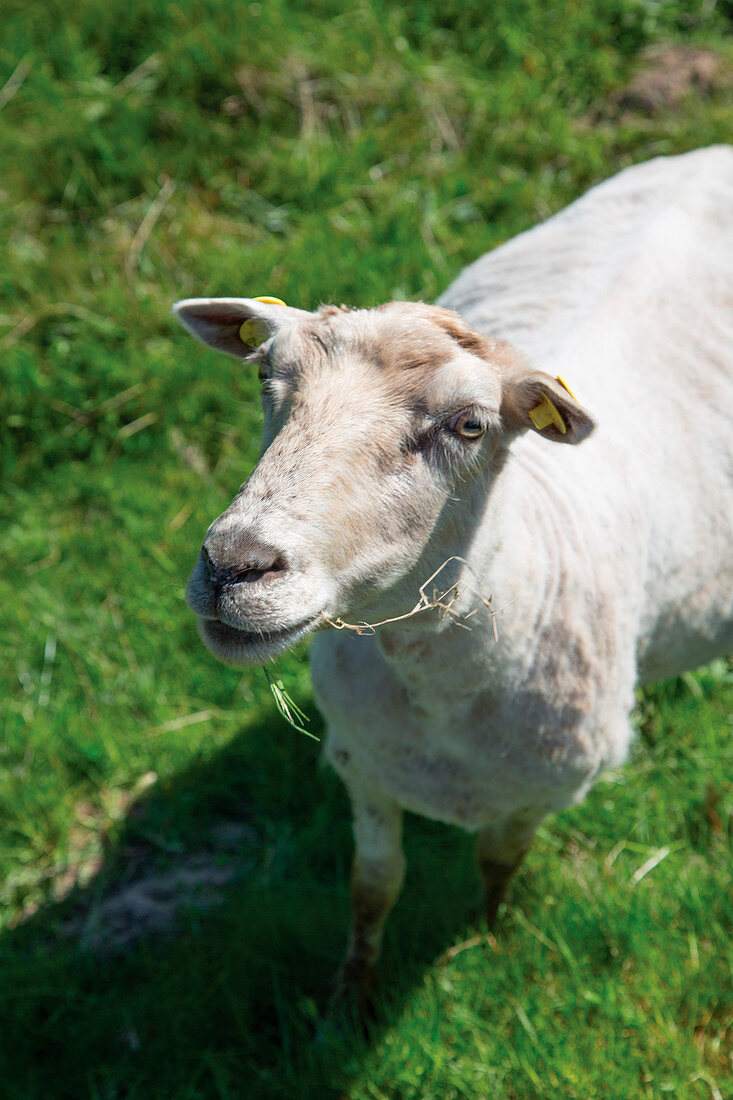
x=251, y=647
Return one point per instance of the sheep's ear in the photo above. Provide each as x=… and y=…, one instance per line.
x=236, y=326
x=544, y=404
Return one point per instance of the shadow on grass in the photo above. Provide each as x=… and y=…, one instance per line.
x=198, y=961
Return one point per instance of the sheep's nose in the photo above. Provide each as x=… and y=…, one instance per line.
x=241, y=560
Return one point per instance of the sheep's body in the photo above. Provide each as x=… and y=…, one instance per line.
x=615, y=558
x=629, y=292
x=606, y=564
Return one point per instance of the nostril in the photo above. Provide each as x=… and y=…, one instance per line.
x=255, y=571
x=216, y=574
x=210, y=567
x=228, y=568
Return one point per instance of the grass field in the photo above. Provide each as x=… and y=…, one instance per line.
x=173, y=863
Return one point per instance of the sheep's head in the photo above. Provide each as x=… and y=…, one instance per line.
x=372, y=420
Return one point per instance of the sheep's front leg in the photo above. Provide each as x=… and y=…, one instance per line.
x=377, y=876
x=500, y=848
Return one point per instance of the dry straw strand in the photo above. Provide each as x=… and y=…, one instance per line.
x=443, y=601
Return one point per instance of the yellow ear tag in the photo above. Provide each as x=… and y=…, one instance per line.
x=252, y=332
x=545, y=413
x=565, y=386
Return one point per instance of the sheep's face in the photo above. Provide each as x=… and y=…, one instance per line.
x=375, y=422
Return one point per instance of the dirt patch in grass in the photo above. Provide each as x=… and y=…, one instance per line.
x=149, y=904
x=120, y=895
x=669, y=73
x=145, y=890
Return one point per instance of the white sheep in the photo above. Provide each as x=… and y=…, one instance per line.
x=411, y=442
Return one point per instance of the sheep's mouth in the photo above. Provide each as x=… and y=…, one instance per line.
x=247, y=647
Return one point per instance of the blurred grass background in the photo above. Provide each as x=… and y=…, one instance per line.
x=173, y=865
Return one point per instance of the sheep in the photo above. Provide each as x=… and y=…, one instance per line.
x=415, y=443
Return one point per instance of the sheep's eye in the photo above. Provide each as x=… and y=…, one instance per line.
x=263, y=371
x=467, y=426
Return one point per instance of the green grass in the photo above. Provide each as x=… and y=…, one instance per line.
x=319, y=152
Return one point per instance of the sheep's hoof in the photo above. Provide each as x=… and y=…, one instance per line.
x=496, y=878
x=353, y=993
